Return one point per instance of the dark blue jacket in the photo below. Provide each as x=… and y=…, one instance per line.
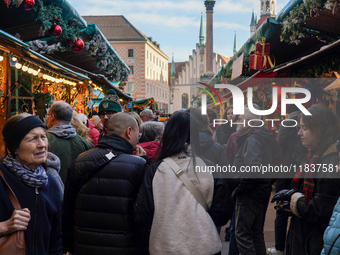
x=43, y=234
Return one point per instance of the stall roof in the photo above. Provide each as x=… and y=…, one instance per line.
x=283, y=52
x=38, y=58
x=301, y=61
x=18, y=22
x=84, y=60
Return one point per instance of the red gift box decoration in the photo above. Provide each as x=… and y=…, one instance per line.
x=259, y=62
x=262, y=49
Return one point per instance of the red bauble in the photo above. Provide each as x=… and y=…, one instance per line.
x=79, y=45
x=72, y=41
x=28, y=4
x=55, y=31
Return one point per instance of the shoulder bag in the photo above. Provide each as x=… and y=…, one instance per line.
x=186, y=181
x=13, y=244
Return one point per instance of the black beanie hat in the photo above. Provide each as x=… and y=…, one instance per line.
x=14, y=135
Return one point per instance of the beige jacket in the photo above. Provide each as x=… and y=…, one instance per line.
x=180, y=224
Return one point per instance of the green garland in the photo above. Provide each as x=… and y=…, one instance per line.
x=292, y=26
x=43, y=48
x=106, y=59
x=47, y=15
x=318, y=67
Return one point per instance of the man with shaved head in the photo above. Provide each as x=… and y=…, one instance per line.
x=101, y=189
x=63, y=140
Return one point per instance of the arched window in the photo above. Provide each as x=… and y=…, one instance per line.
x=267, y=6
x=273, y=7
x=262, y=7
x=185, y=101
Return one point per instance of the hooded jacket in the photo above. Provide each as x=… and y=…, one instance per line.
x=331, y=237
x=256, y=147
x=150, y=148
x=99, y=198
x=67, y=148
x=94, y=133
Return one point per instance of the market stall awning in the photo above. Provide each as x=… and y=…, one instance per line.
x=39, y=59
x=282, y=52
x=15, y=20
x=144, y=103
x=305, y=60
x=32, y=26
x=98, y=79
x=98, y=56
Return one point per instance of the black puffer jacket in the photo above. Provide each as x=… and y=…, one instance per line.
x=257, y=147
x=99, y=200
x=212, y=151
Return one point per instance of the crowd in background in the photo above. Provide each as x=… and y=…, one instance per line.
x=125, y=183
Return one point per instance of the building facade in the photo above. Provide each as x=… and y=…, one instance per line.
x=268, y=9
x=147, y=62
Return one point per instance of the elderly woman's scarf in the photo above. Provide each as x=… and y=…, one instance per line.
x=35, y=178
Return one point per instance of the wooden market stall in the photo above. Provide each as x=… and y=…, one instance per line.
x=28, y=80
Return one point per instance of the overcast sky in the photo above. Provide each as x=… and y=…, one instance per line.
x=174, y=24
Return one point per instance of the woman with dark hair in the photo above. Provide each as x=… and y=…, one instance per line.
x=179, y=223
x=36, y=190
x=314, y=193
x=212, y=151
x=224, y=131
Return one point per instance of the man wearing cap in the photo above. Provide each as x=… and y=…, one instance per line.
x=100, y=192
x=107, y=107
x=63, y=140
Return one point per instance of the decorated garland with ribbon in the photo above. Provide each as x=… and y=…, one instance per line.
x=292, y=26
x=47, y=15
x=107, y=60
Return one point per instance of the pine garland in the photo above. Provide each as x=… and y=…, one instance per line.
x=292, y=26
x=107, y=60
x=47, y=15
x=43, y=48
x=329, y=63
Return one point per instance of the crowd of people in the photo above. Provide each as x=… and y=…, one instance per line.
x=126, y=183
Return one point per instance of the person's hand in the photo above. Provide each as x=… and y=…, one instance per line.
x=18, y=221
x=139, y=151
x=283, y=195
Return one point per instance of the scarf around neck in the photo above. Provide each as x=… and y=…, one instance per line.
x=305, y=178
x=35, y=178
x=65, y=131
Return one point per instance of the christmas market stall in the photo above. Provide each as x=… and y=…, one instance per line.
x=289, y=51
x=56, y=30
x=28, y=80
x=148, y=103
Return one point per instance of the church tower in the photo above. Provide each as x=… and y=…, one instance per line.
x=172, y=71
x=235, y=45
x=268, y=8
x=201, y=36
x=252, y=24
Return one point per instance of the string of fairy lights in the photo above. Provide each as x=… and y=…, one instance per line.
x=36, y=70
